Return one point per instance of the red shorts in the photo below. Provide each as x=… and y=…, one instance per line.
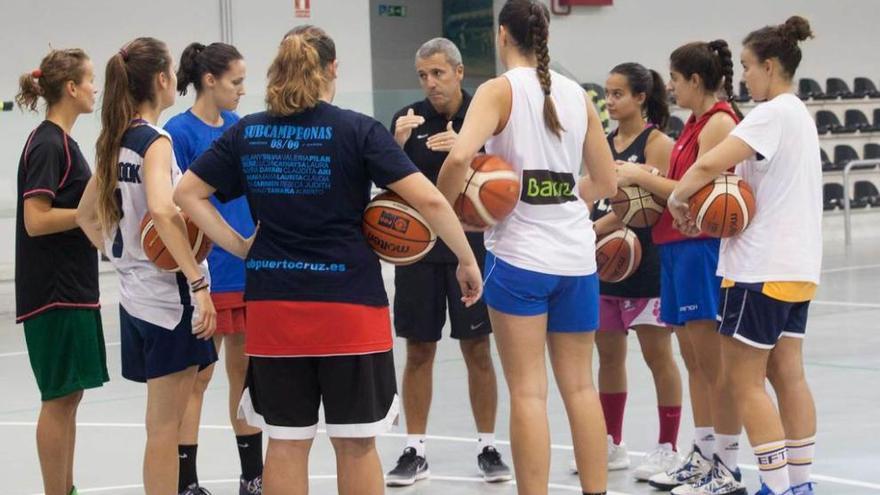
x=231, y=313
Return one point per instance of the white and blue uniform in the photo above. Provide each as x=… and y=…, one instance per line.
x=542, y=257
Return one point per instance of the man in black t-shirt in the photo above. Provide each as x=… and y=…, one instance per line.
x=427, y=130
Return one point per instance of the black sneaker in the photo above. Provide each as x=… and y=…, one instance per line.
x=250, y=487
x=195, y=489
x=492, y=467
x=410, y=468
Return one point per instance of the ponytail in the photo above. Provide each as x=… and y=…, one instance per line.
x=56, y=69
x=298, y=74
x=198, y=60
x=648, y=82
x=725, y=58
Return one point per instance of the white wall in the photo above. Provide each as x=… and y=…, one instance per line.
x=592, y=40
x=101, y=27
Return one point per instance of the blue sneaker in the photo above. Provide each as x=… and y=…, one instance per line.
x=765, y=490
x=719, y=481
x=803, y=489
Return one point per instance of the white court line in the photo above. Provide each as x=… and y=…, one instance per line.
x=750, y=467
x=849, y=268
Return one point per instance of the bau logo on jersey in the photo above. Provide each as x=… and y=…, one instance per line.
x=543, y=187
x=393, y=222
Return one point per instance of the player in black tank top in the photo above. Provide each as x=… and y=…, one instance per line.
x=637, y=100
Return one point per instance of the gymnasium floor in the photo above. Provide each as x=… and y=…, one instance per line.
x=842, y=363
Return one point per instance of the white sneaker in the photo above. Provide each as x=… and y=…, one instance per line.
x=660, y=460
x=618, y=457
x=690, y=470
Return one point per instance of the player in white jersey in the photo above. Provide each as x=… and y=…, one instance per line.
x=163, y=343
x=771, y=270
x=541, y=285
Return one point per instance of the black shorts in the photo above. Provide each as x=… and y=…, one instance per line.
x=759, y=320
x=422, y=292
x=283, y=394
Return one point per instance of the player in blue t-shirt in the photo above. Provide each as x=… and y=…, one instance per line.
x=319, y=329
x=217, y=72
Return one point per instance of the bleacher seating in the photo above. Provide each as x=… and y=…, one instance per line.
x=864, y=88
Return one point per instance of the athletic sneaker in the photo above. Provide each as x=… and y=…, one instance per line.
x=410, y=468
x=195, y=489
x=618, y=457
x=492, y=467
x=660, y=460
x=720, y=481
x=691, y=470
x=765, y=490
x=252, y=487
x=803, y=489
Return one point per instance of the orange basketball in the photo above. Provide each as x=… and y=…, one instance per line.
x=396, y=231
x=724, y=207
x=490, y=194
x=637, y=207
x=154, y=248
x=618, y=255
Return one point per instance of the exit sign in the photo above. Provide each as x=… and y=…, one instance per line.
x=392, y=10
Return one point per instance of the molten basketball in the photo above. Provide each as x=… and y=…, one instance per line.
x=724, y=207
x=618, y=255
x=396, y=231
x=154, y=248
x=637, y=207
x=490, y=194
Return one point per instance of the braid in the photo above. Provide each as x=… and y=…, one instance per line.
x=539, y=32
x=725, y=58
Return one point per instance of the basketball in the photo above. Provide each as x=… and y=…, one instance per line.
x=618, y=255
x=490, y=194
x=636, y=207
x=154, y=248
x=724, y=207
x=396, y=231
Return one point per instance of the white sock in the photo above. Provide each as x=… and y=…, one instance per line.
x=727, y=449
x=417, y=442
x=704, y=439
x=485, y=440
x=800, y=459
x=772, y=460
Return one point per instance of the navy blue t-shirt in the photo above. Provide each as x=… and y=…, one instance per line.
x=307, y=178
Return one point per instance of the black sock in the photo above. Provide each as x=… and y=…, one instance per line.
x=188, y=475
x=250, y=453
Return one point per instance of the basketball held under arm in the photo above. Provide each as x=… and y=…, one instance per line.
x=418, y=191
x=712, y=164
x=486, y=116
x=160, y=204
x=193, y=195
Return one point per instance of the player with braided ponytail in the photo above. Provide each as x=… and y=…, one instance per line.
x=689, y=288
x=541, y=284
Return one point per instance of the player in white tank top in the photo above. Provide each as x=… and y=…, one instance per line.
x=771, y=270
x=540, y=284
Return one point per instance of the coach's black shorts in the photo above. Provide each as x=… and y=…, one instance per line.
x=359, y=394
x=422, y=292
x=760, y=320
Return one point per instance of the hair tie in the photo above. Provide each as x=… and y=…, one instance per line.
x=124, y=53
x=36, y=73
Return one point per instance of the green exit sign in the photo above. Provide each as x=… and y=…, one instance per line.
x=392, y=10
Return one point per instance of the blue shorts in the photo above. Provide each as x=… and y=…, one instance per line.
x=689, y=288
x=760, y=320
x=150, y=351
x=571, y=303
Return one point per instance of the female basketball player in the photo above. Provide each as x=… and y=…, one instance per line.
x=771, y=270
x=217, y=73
x=541, y=283
x=637, y=100
x=318, y=326
x=56, y=268
x=689, y=288
x=164, y=342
